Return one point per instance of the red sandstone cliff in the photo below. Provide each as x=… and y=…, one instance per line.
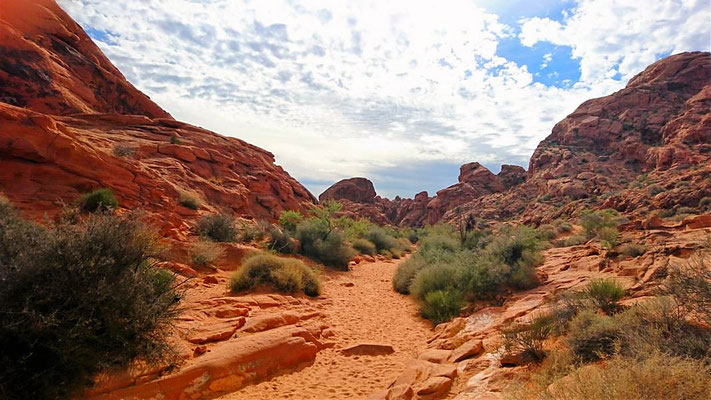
x=71, y=123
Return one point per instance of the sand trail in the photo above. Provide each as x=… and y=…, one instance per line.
x=369, y=311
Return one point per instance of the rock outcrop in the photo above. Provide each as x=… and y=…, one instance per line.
x=359, y=198
x=71, y=124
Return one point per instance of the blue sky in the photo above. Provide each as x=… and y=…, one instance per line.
x=400, y=92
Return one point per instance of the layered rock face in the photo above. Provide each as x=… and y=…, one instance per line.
x=645, y=147
x=71, y=123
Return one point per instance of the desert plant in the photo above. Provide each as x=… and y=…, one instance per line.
x=593, y=221
x=608, y=237
x=364, y=246
x=204, y=253
x=654, y=190
x=633, y=250
x=605, y=294
x=666, y=213
x=217, y=227
x=99, y=200
x=705, y=202
x=77, y=300
x=655, y=377
x=592, y=336
x=321, y=243
x=528, y=338
x=189, y=200
x=689, y=286
x=123, y=150
x=280, y=241
x=383, y=241
x=286, y=275
x=254, y=231
x=289, y=219
x=441, y=305
x=174, y=139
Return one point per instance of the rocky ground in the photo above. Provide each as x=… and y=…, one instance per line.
x=360, y=339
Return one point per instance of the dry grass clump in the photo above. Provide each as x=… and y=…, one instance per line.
x=287, y=275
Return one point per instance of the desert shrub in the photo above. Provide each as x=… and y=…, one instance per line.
x=605, y=294
x=685, y=210
x=689, y=286
x=438, y=242
x=99, y=200
x=593, y=221
x=476, y=240
x=633, y=250
x=441, y=305
x=608, y=238
x=433, y=250
x=573, y=240
x=280, y=241
x=289, y=219
x=547, y=231
x=77, y=300
x=354, y=228
x=322, y=244
x=666, y=213
x=655, y=377
x=364, y=246
x=654, y=190
x=286, y=275
x=204, y=253
x=592, y=336
x=383, y=241
x=123, y=150
x=528, y=338
x=562, y=226
x=657, y=326
x=189, y=200
x=438, y=277
x=254, y=232
x=406, y=272
x=705, y=202
x=174, y=139
x=217, y=227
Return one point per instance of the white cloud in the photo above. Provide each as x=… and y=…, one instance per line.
x=369, y=86
x=619, y=38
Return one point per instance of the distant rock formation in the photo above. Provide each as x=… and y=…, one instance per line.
x=655, y=131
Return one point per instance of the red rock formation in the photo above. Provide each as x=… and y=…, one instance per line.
x=358, y=190
x=49, y=69
x=49, y=64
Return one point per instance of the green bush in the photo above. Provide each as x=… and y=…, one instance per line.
x=605, y=294
x=204, y=253
x=528, y=338
x=77, y=300
x=666, y=213
x=189, y=200
x=654, y=377
x=593, y=221
x=608, y=238
x=280, y=241
x=99, y=200
x=633, y=250
x=441, y=305
x=705, y=202
x=322, y=244
x=654, y=190
x=689, y=286
x=254, y=232
x=434, y=278
x=433, y=250
x=592, y=336
x=289, y=219
x=364, y=246
x=287, y=275
x=657, y=326
x=383, y=241
x=217, y=227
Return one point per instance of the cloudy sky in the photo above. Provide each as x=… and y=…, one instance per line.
x=401, y=92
